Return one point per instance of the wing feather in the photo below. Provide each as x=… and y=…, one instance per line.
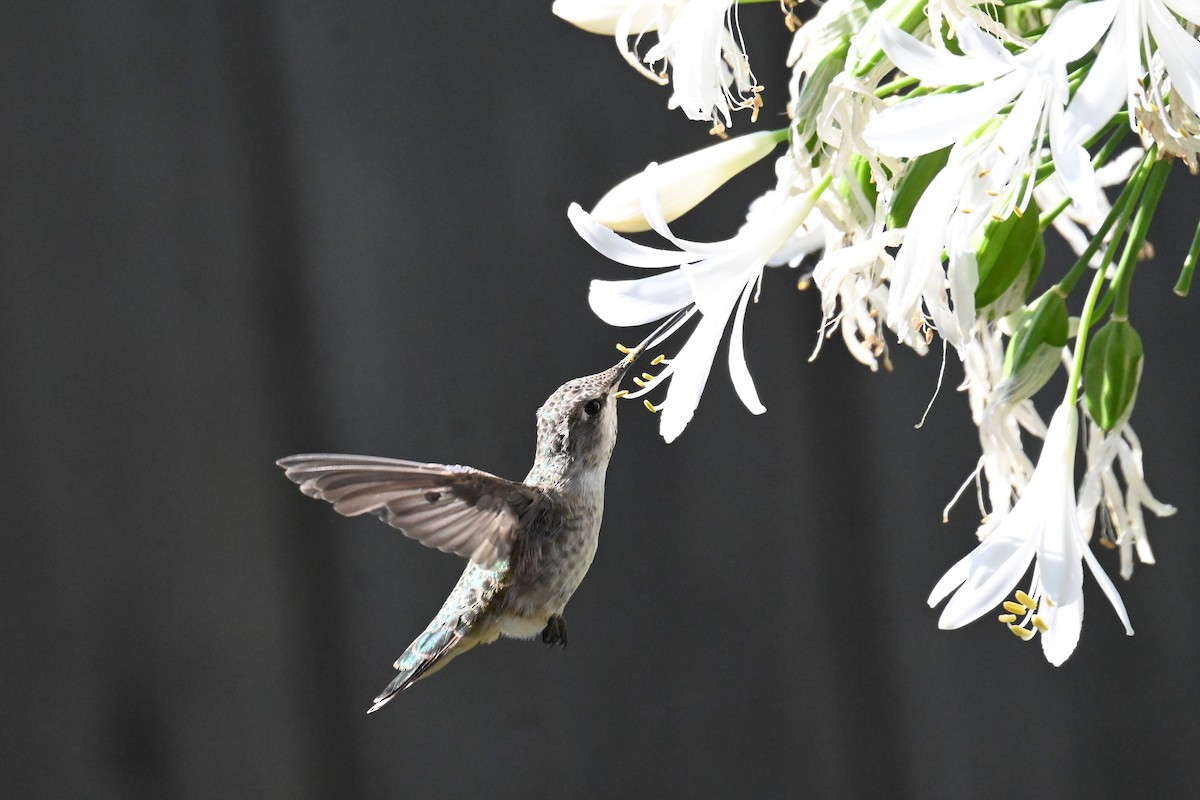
x=456, y=509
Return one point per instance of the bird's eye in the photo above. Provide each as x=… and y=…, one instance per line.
x=592, y=407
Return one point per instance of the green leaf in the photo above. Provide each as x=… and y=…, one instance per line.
x=1112, y=369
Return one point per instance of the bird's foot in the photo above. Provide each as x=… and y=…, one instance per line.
x=555, y=632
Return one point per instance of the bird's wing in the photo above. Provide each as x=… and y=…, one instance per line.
x=456, y=509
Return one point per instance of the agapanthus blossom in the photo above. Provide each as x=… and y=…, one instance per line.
x=716, y=278
x=1042, y=529
x=987, y=174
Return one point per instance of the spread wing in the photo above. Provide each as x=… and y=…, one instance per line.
x=456, y=509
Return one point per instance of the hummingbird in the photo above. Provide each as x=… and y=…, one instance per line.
x=528, y=544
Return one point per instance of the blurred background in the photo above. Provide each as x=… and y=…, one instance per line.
x=235, y=231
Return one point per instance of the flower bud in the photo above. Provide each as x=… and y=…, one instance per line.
x=912, y=184
x=1035, y=350
x=1111, y=370
x=1004, y=254
x=600, y=16
x=682, y=183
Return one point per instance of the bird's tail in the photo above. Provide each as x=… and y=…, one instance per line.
x=459, y=626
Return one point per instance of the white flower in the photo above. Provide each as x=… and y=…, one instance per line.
x=1042, y=528
x=709, y=67
x=1126, y=528
x=853, y=291
x=986, y=176
x=1120, y=72
x=715, y=278
x=682, y=183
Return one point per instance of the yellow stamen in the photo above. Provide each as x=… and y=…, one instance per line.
x=1040, y=623
x=658, y=359
x=641, y=383
x=1021, y=633
x=646, y=376
x=1018, y=212
x=621, y=393
x=622, y=348
x=650, y=407
x=1007, y=619
x=1015, y=608
x=1026, y=600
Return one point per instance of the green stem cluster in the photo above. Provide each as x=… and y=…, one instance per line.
x=1139, y=200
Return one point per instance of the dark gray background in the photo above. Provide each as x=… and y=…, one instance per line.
x=233, y=231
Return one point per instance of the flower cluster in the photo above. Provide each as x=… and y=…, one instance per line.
x=931, y=147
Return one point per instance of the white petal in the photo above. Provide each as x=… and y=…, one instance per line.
x=1110, y=591
x=1076, y=30
x=636, y=302
x=1180, y=53
x=1102, y=91
x=970, y=603
x=1188, y=9
x=954, y=577
x=618, y=248
x=692, y=367
x=924, y=124
x=738, y=370
x=936, y=67
x=1058, y=552
x=1064, y=626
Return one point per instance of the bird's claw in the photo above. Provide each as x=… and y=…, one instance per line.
x=555, y=632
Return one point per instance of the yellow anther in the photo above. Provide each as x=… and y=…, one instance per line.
x=1039, y=623
x=646, y=376
x=621, y=393
x=622, y=348
x=1049, y=603
x=1007, y=619
x=1024, y=634
x=641, y=383
x=983, y=173
x=658, y=359
x=1018, y=212
x=1026, y=600
x=650, y=407
x=804, y=283
x=1015, y=608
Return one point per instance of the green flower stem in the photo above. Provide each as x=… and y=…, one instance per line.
x=1085, y=322
x=1155, y=184
x=1120, y=213
x=1189, y=265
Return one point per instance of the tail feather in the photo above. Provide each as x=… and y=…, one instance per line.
x=458, y=627
x=433, y=649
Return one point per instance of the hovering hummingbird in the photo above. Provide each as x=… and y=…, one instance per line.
x=529, y=543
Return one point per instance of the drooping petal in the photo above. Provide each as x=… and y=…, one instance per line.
x=1104, y=89
x=618, y=248
x=692, y=366
x=954, y=577
x=1110, y=591
x=1058, y=551
x=1063, y=626
x=970, y=603
x=738, y=371
x=636, y=302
